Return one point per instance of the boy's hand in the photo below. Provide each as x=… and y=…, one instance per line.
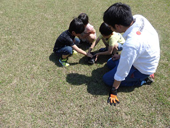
x=115, y=57
x=112, y=99
x=89, y=55
x=96, y=57
x=116, y=46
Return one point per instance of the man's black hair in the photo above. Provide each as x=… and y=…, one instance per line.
x=118, y=13
x=105, y=29
x=77, y=26
x=84, y=17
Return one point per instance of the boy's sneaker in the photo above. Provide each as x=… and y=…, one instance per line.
x=64, y=62
x=74, y=52
x=103, y=49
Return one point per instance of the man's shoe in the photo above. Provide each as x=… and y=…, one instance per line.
x=149, y=80
x=152, y=76
x=64, y=62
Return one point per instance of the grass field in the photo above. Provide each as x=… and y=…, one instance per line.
x=35, y=91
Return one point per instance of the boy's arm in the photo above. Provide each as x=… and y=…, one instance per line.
x=108, y=52
x=115, y=49
x=94, y=44
x=93, y=31
x=90, y=30
x=81, y=51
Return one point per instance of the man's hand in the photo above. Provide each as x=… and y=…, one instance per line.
x=113, y=97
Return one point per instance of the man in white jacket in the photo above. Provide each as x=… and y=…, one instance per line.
x=141, y=51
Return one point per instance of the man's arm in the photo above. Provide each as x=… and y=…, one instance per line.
x=125, y=64
x=113, y=93
x=116, y=84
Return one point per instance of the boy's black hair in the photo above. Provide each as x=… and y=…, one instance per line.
x=105, y=29
x=118, y=13
x=84, y=17
x=77, y=26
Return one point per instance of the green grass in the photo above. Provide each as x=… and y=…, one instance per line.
x=35, y=91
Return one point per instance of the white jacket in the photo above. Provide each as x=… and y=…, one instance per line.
x=141, y=49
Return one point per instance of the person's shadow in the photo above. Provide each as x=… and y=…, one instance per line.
x=101, y=59
x=95, y=84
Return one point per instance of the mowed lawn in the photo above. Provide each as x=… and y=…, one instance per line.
x=36, y=91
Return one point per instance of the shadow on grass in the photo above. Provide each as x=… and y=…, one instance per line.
x=55, y=59
x=102, y=59
x=84, y=46
x=95, y=84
